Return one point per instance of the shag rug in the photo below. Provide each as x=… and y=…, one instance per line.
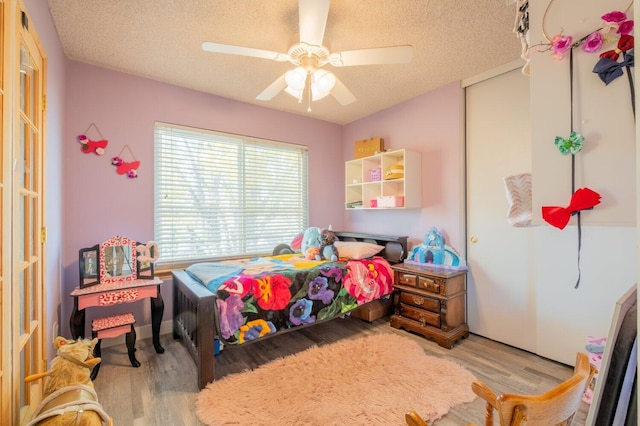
x=372, y=380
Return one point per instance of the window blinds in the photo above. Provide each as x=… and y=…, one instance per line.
x=220, y=195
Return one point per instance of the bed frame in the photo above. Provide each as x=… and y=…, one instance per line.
x=194, y=305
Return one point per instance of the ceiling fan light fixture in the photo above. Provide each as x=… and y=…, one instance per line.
x=296, y=79
x=323, y=80
x=295, y=93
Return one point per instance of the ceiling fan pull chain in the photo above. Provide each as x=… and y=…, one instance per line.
x=309, y=95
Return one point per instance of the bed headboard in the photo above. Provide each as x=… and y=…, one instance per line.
x=395, y=247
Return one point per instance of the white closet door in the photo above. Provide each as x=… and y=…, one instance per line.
x=501, y=282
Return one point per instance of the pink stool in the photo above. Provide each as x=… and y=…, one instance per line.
x=112, y=327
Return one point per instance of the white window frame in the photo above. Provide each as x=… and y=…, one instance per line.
x=220, y=195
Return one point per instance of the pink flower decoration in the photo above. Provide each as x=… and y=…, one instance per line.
x=561, y=45
x=625, y=27
x=615, y=16
x=592, y=43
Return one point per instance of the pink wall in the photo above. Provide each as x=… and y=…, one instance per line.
x=88, y=202
x=100, y=203
x=430, y=124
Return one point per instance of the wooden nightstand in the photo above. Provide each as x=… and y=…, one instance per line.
x=431, y=301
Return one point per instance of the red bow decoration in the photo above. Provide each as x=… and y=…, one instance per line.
x=625, y=43
x=582, y=199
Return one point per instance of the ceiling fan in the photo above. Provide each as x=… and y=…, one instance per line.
x=309, y=56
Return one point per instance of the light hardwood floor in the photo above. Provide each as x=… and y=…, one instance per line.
x=163, y=390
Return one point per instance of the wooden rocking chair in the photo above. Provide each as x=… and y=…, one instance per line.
x=555, y=407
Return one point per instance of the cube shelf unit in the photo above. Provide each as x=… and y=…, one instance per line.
x=361, y=190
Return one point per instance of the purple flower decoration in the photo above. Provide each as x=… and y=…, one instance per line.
x=332, y=271
x=300, y=312
x=560, y=46
x=229, y=314
x=319, y=290
x=625, y=27
x=592, y=43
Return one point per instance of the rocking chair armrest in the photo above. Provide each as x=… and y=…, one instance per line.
x=413, y=419
x=485, y=393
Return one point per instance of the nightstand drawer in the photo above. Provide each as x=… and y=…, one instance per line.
x=407, y=279
x=420, y=315
x=431, y=285
x=418, y=301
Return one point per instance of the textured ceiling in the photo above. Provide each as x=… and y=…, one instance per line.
x=161, y=40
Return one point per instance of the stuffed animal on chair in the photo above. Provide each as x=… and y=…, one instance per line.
x=69, y=397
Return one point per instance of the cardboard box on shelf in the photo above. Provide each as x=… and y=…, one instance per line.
x=391, y=201
x=367, y=147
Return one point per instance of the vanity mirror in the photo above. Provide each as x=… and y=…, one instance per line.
x=118, y=260
x=89, y=266
x=147, y=254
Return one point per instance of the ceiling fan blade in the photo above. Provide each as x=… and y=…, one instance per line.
x=342, y=94
x=243, y=51
x=378, y=55
x=313, y=19
x=274, y=88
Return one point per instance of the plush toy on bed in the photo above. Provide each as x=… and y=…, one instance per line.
x=317, y=244
x=328, y=249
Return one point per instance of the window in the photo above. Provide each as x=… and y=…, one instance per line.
x=220, y=195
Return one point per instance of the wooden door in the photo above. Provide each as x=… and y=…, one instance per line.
x=501, y=284
x=22, y=233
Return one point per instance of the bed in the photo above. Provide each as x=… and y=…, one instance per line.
x=200, y=315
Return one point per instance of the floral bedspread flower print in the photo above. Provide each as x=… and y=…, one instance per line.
x=254, y=305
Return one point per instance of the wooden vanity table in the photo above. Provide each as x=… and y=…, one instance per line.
x=116, y=271
x=109, y=294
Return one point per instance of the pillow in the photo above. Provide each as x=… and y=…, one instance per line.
x=356, y=249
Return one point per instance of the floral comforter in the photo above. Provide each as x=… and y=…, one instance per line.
x=262, y=296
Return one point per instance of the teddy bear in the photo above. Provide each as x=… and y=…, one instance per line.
x=318, y=244
x=69, y=397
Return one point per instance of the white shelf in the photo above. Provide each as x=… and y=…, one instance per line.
x=361, y=190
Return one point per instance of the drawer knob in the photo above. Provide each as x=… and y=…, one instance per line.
x=422, y=320
x=418, y=300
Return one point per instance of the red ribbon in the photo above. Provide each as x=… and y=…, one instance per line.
x=582, y=199
x=625, y=43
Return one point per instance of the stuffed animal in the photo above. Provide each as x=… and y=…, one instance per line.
x=328, y=249
x=317, y=244
x=69, y=397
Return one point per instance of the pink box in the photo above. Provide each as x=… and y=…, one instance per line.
x=375, y=175
x=391, y=201
x=373, y=203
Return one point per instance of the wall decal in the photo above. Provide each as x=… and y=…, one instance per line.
x=88, y=145
x=130, y=168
